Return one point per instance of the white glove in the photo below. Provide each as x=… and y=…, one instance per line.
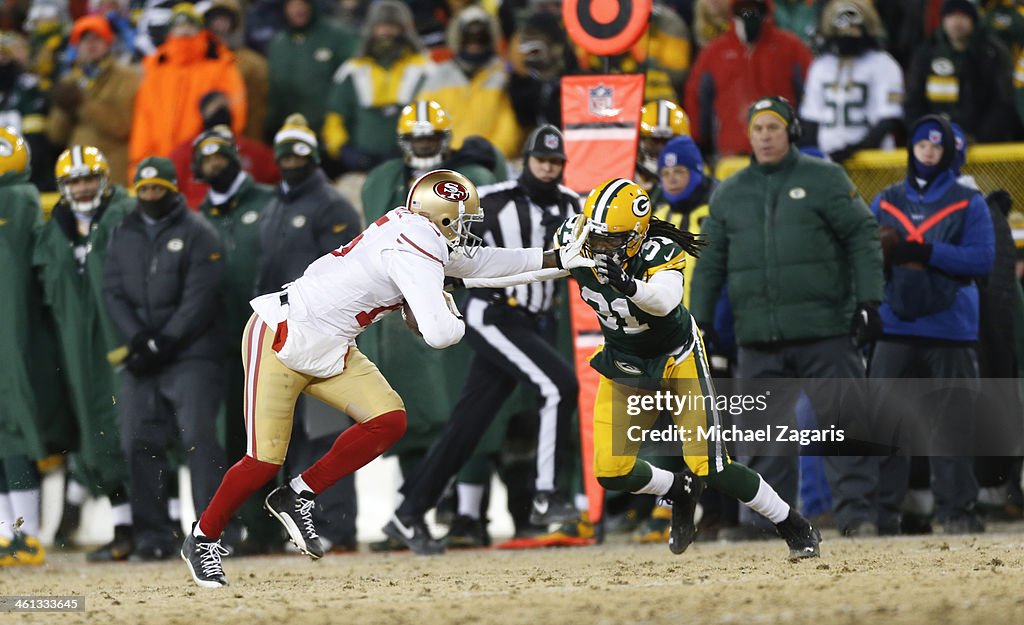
x=570, y=255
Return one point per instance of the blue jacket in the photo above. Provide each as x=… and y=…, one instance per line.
x=941, y=302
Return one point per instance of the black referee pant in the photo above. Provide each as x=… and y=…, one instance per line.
x=511, y=347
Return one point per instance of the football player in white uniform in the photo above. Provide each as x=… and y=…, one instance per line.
x=853, y=98
x=303, y=340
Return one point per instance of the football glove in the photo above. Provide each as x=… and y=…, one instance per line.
x=611, y=273
x=571, y=255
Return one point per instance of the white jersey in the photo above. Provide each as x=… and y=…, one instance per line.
x=847, y=97
x=402, y=257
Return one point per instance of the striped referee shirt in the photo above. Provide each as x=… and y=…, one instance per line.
x=512, y=219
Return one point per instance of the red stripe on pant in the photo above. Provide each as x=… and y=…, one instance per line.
x=239, y=483
x=354, y=448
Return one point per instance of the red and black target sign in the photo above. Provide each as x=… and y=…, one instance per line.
x=606, y=27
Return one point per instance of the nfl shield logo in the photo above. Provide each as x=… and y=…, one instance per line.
x=601, y=101
x=551, y=142
x=935, y=136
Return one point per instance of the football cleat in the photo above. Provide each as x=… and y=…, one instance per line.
x=203, y=557
x=295, y=512
x=802, y=537
x=414, y=534
x=551, y=507
x=684, y=495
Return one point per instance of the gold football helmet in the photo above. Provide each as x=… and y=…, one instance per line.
x=451, y=202
x=618, y=214
x=424, y=132
x=82, y=161
x=660, y=121
x=14, y=154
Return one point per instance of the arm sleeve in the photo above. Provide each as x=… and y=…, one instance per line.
x=119, y=308
x=974, y=255
x=202, y=289
x=856, y=230
x=495, y=262
x=661, y=294
x=421, y=281
x=515, y=280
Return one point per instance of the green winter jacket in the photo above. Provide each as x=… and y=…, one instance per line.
x=22, y=429
x=301, y=65
x=73, y=292
x=798, y=247
x=237, y=225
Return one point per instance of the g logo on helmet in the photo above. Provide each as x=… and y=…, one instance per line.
x=6, y=149
x=451, y=191
x=641, y=205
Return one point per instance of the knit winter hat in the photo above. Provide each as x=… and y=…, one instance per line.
x=682, y=150
x=296, y=137
x=216, y=140
x=156, y=170
x=770, y=106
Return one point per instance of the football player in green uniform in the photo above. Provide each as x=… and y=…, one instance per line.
x=651, y=344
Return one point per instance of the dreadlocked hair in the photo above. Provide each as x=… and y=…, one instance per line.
x=686, y=239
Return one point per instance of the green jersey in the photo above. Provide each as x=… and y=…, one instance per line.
x=636, y=343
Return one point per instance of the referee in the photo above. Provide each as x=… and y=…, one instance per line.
x=512, y=332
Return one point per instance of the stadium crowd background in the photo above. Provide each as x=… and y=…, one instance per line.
x=138, y=80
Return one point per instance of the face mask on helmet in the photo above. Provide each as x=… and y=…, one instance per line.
x=84, y=194
x=83, y=177
x=451, y=203
x=424, y=134
x=618, y=214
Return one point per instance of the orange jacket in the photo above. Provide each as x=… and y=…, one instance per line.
x=174, y=79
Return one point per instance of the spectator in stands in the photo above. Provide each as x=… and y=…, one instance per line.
x=23, y=107
x=753, y=60
x=152, y=26
x=255, y=157
x=224, y=19
x=305, y=219
x=370, y=89
x=92, y=104
x=167, y=311
x=799, y=17
x=662, y=54
x=711, y=18
x=47, y=25
x=264, y=19
x=233, y=203
x=69, y=255
x=853, y=99
x=930, y=317
x=22, y=431
x=803, y=277
x=1005, y=20
x=303, y=59
x=965, y=73
x=475, y=80
x=190, y=64
x=539, y=55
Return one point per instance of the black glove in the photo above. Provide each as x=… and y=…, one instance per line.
x=148, y=353
x=907, y=252
x=866, y=325
x=1001, y=200
x=609, y=272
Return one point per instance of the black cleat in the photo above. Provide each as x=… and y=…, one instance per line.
x=116, y=550
x=295, y=512
x=413, y=534
x=549, y=507
x=802, y=537
x=70, y=519
x=203, y=557
x=684, y=495
x=466, y=533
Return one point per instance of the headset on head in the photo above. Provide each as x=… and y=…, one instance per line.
x=794, y=130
